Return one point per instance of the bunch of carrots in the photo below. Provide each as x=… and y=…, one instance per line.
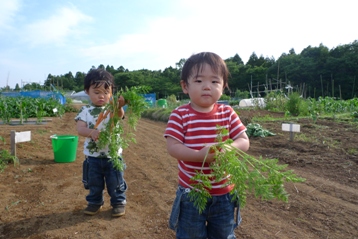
x=264, y=178
x=119, y=133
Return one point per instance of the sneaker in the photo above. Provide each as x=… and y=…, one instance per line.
x=118, y=210
x=92, y=209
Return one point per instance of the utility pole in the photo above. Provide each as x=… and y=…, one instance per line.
x=7, y=80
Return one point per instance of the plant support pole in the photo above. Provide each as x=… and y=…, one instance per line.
x=13, y=143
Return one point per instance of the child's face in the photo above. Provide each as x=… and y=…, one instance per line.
x=100, y=95
x=204, y=89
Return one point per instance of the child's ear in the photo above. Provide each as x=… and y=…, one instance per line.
x=184, y=87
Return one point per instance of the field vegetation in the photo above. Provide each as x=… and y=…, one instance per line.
x=314, y=72
x=293, y=106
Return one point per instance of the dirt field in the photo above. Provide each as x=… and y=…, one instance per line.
x=44, y=199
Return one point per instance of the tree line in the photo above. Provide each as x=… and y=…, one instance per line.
x=316, y=71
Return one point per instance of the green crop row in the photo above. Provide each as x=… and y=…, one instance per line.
x=24, y=108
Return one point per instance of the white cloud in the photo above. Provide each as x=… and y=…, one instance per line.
x=8, y=9
x=176, y=31
x=64, y=23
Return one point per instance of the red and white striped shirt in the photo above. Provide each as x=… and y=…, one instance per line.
x=196, y=130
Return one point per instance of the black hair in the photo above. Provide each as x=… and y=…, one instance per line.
x=98, y=77
x=195, y=63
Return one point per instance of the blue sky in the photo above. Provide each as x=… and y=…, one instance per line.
x=41, y=37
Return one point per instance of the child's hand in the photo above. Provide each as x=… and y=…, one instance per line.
x=213, y=150
x=95, y=134
x=121, y=102
x=209, y=154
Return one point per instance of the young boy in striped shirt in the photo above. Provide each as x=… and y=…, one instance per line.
x=191, y=131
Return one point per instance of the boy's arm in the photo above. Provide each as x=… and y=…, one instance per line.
x=120, y=103
x=242, y=142
x=179, y=151
x=121, y=113
x=82, y=130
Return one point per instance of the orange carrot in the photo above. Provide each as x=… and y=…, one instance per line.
x=101, y=117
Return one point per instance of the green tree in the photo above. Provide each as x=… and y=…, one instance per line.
x=179, y=65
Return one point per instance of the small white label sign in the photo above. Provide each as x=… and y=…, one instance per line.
x=22, y=136
x=291, y=127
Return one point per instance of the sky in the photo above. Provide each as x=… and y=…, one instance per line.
x=41, y=37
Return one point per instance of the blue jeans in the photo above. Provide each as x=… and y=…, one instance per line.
x=100, y=172
x=217, y=221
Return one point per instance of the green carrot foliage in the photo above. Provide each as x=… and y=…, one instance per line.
x=119, y=133
x=264, y=178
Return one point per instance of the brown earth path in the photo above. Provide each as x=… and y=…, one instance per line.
x=44, y=199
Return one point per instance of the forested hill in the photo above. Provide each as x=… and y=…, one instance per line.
x=316, y=71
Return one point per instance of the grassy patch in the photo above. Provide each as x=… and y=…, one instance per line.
x=306, y=138
x=352, y=151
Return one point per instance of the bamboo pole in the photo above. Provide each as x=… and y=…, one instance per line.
x=251, y=84
x=322, y=86
x=332, y=88
x=278, y=70
x=340, y=92
x=354, y=82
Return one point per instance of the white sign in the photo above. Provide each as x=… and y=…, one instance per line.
x=291, y=127
x=22, y=136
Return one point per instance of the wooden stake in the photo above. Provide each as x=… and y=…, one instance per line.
x=13, y=143
x=322, y=87
x=354, y=82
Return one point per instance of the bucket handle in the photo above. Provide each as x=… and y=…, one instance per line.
x=53, y=136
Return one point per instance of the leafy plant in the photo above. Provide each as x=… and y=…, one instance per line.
x=275, y=101
x=119, y=133
x=242, y=94
x=264, y=178
x=293, y=103
x=256, y=130
x=314, y=116
x=6, y=157
x=224, y=97
x=40, y=111
x=22, y=105
x=5, y=111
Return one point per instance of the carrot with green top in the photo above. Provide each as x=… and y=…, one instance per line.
x=103, y=115
x=118, y=133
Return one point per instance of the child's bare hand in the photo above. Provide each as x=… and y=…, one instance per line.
x=208, y=154
x=95, y=134
x=121, y=102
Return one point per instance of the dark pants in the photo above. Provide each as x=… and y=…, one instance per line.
x=99, y=173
